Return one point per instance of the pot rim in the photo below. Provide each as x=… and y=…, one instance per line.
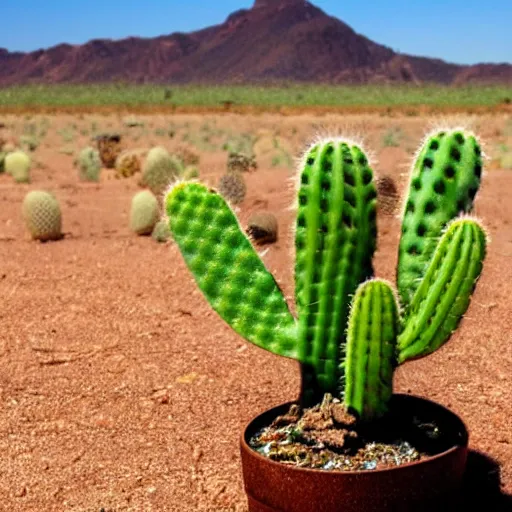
x=462, y=444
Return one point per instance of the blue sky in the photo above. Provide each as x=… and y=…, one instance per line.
x=463, y=31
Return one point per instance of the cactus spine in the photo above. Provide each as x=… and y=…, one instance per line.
x=370, y=354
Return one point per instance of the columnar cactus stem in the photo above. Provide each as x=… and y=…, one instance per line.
x=445, y=292
x=370, y=358
x=335, y=241
x=444, y=182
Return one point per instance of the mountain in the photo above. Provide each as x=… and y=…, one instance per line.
x=274, y=41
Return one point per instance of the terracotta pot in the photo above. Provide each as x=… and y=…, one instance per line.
x=432, y=484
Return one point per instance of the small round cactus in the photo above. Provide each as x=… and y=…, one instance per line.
x=232, y=187
x=144, y=213
x=159, y=170
x=127, y=164
x=109, y=147
x=161, y=232
x=42, y=215
x=89, y=164
x=262, y=227
x=17, y=164
x=241, y=162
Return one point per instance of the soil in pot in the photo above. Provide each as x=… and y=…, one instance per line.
x=330, y=438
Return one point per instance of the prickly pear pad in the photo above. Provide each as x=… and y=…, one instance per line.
x=228, y=270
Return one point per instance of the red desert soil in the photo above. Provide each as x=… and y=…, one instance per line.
x=121, y=390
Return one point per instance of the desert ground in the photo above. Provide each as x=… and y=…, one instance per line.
x=121, y=390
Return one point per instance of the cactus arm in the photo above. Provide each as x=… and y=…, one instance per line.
x=335, y=240
x=444, y=181
x=445, y=292
x=227, y=269
x=370, y=352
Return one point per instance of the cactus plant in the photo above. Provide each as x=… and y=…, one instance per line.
x=351, y=330
x=144, y=213
x=232, y=187
x=262, y=227
x=387, y=195
x=109, y=147
x=18, y=164
x=127, y=164
x=161, y=232
x=42, y=215
x=239, y=162
x=159, y=170
x=88, y=163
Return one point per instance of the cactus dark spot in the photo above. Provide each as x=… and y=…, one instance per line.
x=372, y=194
x=461, y=205
x=441, y=134
x=478, y=150
x=349, y=179
x=303, y=199
x=439, y=187
x=324, y=229
x=327, y=166
x=472, y=192
x=348, y=160
x=416, y=183
x=410, y=207
x=449, y=172
x=430, y=207
x=362, y=160
x=304, y=179
x=367, y=176
x=326, y=185
x=350, y=197
x=347, y=220
x=413, y=250
x=301, y=221
x=421, y=229
x=329, y=150
x=372, y=214
x=311, y=160
x=434, y=145
x=455, y=154
x=324, y=204
x=478, y=169
x=428, y=163
x=459, y=138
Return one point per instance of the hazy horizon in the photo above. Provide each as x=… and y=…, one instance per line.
x=453, y=30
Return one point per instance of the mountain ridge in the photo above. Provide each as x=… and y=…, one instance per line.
x=272, y=42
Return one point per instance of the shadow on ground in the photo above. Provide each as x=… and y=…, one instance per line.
x=482, y=485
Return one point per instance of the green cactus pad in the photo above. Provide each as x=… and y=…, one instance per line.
x=335, y=241
x=445, y=292
x=370, y=352
x=227, y=269
x=444, y=182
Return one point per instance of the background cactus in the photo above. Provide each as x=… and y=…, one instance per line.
x=18, y=164
x=42, y=215
x=239, y=162
x=335, y=240
x=232, y=187
x=109, y=147
x=161, y=232
x=189, y=173
x=262, y=227
x=88, y=163
x=387, y=195
x=144, y=213
x=128, y=164
x=159, y=170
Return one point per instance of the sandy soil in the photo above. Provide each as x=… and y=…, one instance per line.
x=121, y=390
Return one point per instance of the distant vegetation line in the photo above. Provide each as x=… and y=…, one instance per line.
x=258, y=96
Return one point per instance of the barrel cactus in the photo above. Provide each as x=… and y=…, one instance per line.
x=128, y=164
x=159, y=170
x=232, y=187
x=262, y=227
x=109, y=147
x=42, y=215
x=351, y=329
x=144, y=213
x=88, y=163
x=387, y=195
x=18, y=164
x=161, y=232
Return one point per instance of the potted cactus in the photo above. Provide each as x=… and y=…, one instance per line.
x=348, y=442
